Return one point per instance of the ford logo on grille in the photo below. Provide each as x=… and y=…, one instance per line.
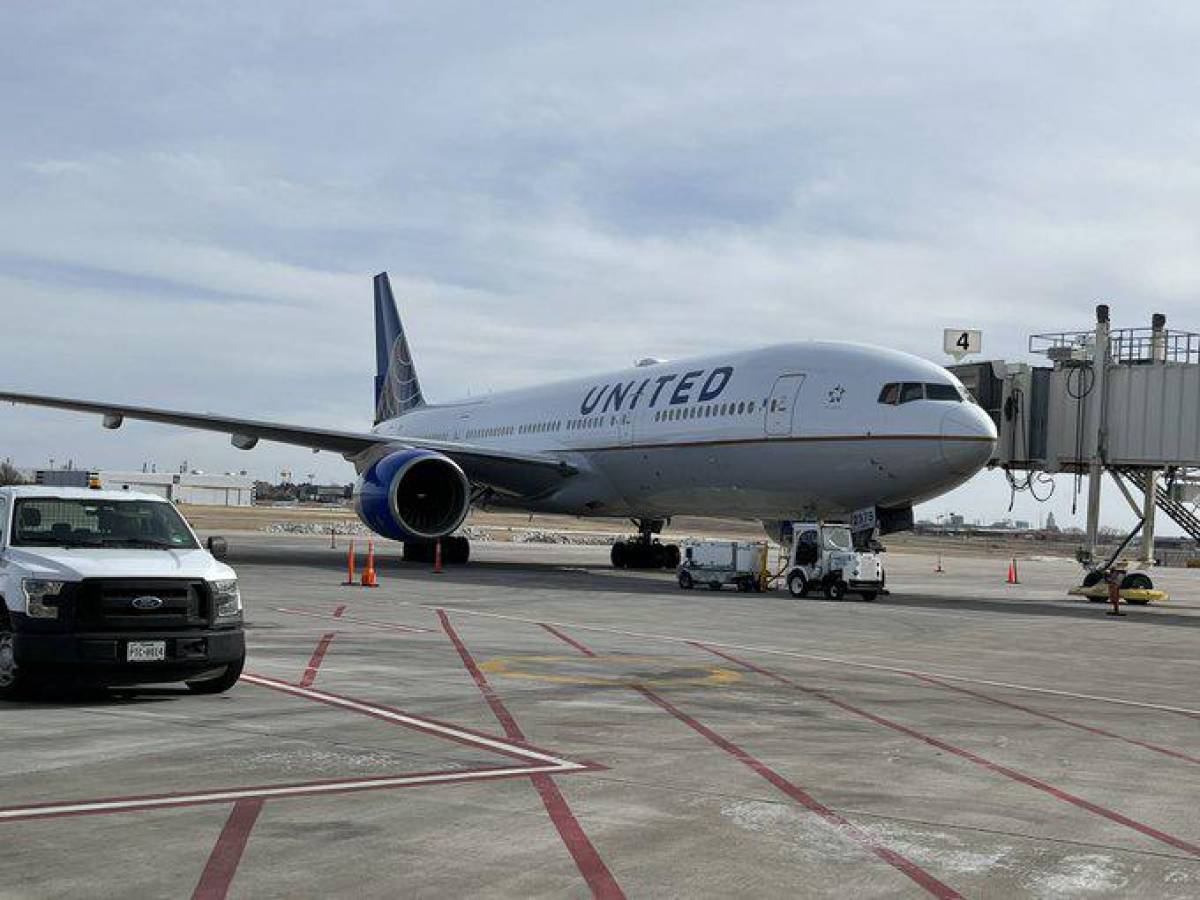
x=147, y=602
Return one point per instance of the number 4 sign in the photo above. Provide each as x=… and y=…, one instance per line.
x=958, y=342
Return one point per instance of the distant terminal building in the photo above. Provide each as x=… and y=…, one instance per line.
x=188, y=487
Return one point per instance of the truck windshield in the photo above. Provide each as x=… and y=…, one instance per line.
x=102, y=523
x=838, y=539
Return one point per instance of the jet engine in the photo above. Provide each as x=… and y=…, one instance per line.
x=413, y=496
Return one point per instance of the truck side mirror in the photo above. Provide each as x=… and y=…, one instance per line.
x=218, y=547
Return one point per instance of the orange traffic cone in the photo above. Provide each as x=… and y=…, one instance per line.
x=938, y=570
x=350, y=564
x=1012, y=572
x=437, y=557
x=369, y=578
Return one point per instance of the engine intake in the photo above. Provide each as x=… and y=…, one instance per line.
x=413, y=495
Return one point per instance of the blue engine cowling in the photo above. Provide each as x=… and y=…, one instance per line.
x=413, y=495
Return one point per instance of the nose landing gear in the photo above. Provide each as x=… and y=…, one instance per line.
x=644, y=552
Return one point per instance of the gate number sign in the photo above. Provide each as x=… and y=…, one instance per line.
x=958, y=342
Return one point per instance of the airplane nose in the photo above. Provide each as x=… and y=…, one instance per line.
x=968, y=439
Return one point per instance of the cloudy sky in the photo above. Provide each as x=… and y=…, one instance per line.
x=196, y=195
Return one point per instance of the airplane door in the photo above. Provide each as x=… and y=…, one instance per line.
x=626, y=428
x=783, y=406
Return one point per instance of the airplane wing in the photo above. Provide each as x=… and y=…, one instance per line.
x=521, y=474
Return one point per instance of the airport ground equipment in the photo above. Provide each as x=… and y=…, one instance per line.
x=1120, y=401
x=112, y=588
x=822, y=557
x=715, y=564
x=643, y=551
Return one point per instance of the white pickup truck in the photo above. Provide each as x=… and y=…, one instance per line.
x=112, y=588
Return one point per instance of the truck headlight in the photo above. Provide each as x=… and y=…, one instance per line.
x=40, y=596
x=227, y=600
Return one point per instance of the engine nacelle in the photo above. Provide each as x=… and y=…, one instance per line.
x=413, y=495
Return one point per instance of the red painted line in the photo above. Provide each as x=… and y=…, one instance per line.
x=844, y=826
x=975, y=758
x=318, y=657
x=227, y=854
x=841, y=823
x=340, y=611
x=566, y=638
x=390, y=626
x=1090, y=729
x=586, y=857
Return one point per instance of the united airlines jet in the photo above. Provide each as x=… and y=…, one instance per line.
x=810, y=430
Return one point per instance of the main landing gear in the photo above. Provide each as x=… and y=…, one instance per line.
x=455, y=551
x=644, y=552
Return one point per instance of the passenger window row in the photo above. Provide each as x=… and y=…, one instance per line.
x=897, y=392
x=706, y=411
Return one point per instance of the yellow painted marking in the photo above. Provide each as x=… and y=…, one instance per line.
x=549, y=669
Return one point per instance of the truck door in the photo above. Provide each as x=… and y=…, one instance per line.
x=782, y=406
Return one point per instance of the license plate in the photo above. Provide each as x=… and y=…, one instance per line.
x=146, y=651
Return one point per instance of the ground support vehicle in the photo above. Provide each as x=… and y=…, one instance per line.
x=715, y=564
x=112, y=588
x=822, y=558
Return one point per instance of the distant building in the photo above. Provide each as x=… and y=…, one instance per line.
x=1051, y=525
x=189, y=487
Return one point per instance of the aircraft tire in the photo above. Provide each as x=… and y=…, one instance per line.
x=685, y=580
x=618, y=555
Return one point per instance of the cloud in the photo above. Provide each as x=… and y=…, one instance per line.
x=196, y=196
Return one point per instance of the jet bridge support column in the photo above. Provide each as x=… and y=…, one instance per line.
x=1158, y=357
x=1098, y=429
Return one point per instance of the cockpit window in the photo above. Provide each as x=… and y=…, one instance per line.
x=942, y=392
x=897, y=392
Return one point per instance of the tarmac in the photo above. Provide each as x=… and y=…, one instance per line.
x=538, y=724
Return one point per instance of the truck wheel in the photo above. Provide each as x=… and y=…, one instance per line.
x=685, y=580
x=797, y=584
x=13, y=683
x=221, y=683
x=835, y=590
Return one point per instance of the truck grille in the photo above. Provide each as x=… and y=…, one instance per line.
x=103, y=604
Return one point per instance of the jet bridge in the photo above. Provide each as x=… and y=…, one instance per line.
x=1122, y=401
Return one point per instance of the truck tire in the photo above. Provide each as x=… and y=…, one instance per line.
x=221, y=683
x=13, y=683
x=797, y=584
x=685, y=580
x=835, y=590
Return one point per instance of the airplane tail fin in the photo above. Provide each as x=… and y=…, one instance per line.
x=397, y=389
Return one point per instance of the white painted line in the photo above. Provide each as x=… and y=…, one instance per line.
x=95, y=807
x=416, y=722
x=390, y=626
x=774, y=651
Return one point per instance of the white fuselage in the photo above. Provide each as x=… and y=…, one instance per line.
x=794, y=430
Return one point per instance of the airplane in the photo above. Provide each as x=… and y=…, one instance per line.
x=813, y=430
